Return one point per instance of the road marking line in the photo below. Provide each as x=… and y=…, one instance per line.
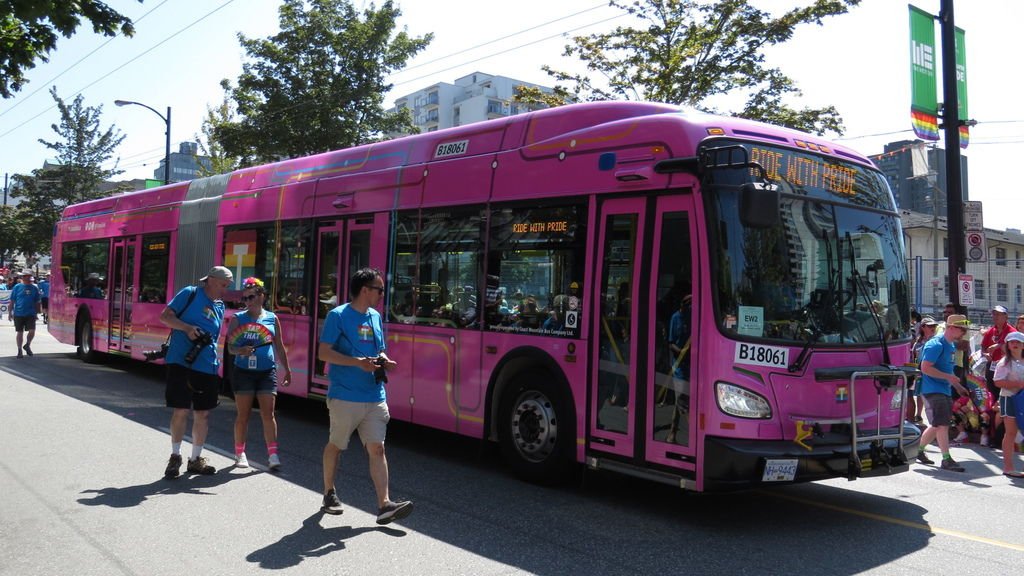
x=899, y=522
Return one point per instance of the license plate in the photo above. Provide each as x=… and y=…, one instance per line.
x=779, y=470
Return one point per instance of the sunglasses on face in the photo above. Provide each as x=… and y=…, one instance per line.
x=379, y=289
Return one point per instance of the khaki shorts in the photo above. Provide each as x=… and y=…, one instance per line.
x=370, y=418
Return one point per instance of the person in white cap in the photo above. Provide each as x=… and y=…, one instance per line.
x=194, y=317
x=25, y=298
x=1009, y=378
x=992, y=344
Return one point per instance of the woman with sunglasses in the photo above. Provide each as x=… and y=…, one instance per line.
x=257, y=349
x=1009, y=378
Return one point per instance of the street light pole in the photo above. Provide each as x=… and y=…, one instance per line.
x=167, y=144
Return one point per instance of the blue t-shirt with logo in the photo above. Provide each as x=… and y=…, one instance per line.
x=939, y=352
x=25, y=297
x=204, y=313
x=264, y=354
x=44, y=287
x=355, y=334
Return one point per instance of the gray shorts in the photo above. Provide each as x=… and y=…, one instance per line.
x=939, y=409
x=370, y=418
x=1008, y=406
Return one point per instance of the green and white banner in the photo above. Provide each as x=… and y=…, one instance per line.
x=961, y=86
x=924, y=105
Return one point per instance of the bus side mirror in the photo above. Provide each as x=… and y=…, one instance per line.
x=759, y=205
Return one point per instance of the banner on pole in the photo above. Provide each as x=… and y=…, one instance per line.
x=961, y=86
x=924, y=104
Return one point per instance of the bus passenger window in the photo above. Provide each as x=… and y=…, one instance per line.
x=437, y=267
x=84, y=265
x=535, y=270
x=154, y=269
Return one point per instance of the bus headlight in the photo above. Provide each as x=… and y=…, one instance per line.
x=741, y=402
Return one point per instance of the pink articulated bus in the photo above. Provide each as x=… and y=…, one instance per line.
x=705, y=301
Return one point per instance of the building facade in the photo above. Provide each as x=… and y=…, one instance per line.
x=920, y=188
x=472, y=98
x=998, y=280
x=185, y=163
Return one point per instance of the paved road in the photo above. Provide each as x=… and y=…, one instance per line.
x=83, y=447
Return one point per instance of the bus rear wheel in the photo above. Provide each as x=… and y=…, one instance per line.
x=85, y=351
x=536, y=429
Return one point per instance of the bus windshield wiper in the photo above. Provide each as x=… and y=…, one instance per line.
x=858, y=283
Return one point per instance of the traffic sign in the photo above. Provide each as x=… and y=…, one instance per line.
x=977, y=246
x=966, y=282
x=972, y=216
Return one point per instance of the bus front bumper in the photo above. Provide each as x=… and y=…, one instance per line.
x=731, y=464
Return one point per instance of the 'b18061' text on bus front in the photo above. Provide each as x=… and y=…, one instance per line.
x=760, y=355
x=451, y=149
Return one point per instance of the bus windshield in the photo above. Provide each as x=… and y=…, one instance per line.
x=830, y=271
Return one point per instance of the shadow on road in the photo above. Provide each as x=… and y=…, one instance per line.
x=128, y=496
x=311, y=540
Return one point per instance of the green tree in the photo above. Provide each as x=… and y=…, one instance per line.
x=688, y=51
x=81, y=151
x=318, y=84
x=223, y=114
x=29, y=28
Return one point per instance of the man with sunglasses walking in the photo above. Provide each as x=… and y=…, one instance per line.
x=352, y=344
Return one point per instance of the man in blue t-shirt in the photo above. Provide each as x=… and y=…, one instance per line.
x=25, y=297
x=194, y=317
x=352, y=344
x=937, y=379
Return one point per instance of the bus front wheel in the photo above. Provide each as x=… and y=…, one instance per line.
x=536, y=428
x=85, y=350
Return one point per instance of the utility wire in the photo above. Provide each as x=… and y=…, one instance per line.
x=108, y=74
x=282, y=113
x=500, y=52
x=82, y=59
x=532, y=28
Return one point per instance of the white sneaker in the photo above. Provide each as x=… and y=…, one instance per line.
x=241, y=461
x=1020, y=437
x=984, y=440
x=275, y=462
x=960, y=437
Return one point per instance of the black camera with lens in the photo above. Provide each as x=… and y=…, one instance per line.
x=152, y=355
x=380, y=376
x=201, y=341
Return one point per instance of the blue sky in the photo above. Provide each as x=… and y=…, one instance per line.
x=857, y=62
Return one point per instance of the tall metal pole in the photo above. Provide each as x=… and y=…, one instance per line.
x=167, y=150
x=167, y=145
x=951, y=121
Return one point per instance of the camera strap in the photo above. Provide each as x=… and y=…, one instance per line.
x=188, y=302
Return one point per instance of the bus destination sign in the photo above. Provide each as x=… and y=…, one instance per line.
x=805, y=170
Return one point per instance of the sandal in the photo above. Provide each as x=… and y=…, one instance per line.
x=1014, y=474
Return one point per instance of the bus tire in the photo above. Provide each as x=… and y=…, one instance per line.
x=83, y=332
x=536, y=428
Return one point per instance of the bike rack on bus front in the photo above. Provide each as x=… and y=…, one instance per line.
x=884, y=379
x=880, y=462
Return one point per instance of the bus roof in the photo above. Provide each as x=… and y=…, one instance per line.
x=533, y=129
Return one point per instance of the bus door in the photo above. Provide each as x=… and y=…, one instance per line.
x=343, y=246
x=640, y=394
x=122, y=272
x=614, y=393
